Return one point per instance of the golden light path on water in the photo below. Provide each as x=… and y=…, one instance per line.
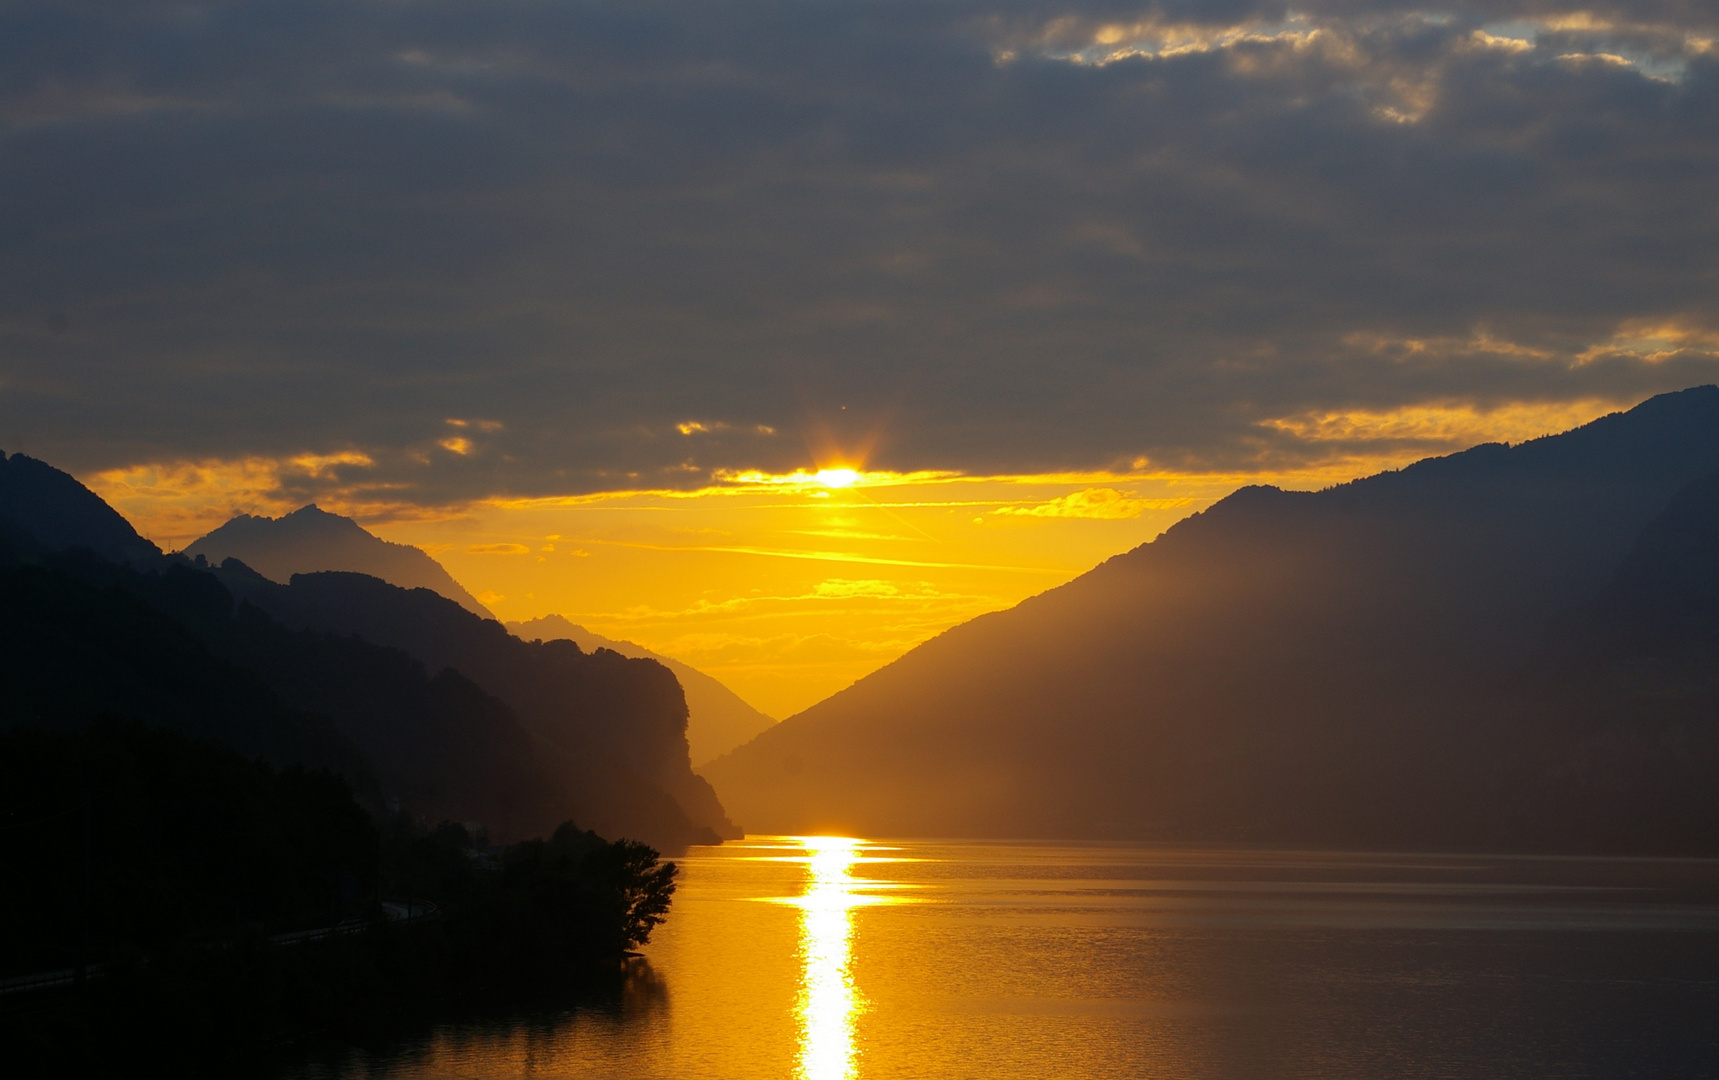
x=829, y=1004
x=827, y=999
x=817, y=957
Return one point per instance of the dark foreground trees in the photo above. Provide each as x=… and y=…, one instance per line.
x=225, y=908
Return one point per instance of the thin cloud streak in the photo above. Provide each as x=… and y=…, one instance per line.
x=837, y=557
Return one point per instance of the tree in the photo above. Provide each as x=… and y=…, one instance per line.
x=639, y=881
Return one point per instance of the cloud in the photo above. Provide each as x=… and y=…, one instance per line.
x=1440, y=428
x=1101, y=503
x=176, y=502
x=654, y=244
x=497, y=549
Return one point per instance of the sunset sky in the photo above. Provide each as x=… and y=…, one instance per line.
x=584, y=296
x=788, y=587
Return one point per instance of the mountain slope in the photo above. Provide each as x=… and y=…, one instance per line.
x=72, y=651
x=86, y=638
x=311, y=539
x=61, y=514
x=718, y=719
x=622, y=722
x=169, y=643
x=1296, y=667
x=1613, y=729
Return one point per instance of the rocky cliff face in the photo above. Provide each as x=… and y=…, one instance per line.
x=718, y=720
x=620, y=722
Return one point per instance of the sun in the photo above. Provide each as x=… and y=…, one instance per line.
x=837, y=478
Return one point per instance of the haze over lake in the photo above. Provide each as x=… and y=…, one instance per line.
x=840, y=959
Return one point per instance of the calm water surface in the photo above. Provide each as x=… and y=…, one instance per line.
x=836, y=959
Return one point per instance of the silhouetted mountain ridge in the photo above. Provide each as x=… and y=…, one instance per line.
x=166, y=642
x=73, y=650
x=61, y=514
x=622, y=720
x=173, y=649
x=311, y=539
x=1315, y=667
x=718, y=719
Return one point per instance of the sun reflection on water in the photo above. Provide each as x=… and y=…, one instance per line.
x=828, y=1001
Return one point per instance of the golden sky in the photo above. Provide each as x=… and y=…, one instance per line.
x=414, y=261
x=788, y=587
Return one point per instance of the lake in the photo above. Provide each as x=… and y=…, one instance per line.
x=842, y=959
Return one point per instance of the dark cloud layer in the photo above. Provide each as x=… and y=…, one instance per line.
x=1009, y=236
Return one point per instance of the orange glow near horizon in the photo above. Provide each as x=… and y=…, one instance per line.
x=787, y=587
x=790, y=586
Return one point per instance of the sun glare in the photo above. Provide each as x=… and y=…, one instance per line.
x=828, y=1000
x=838, y=478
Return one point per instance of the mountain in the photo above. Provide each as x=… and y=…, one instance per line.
x=619, y=722
x=82, y=639
x=1295, y=667
x=311, y=539
x=718, y=720
x=175, y=645
x=72, y=651
x=60, y=514
x=1613, y=727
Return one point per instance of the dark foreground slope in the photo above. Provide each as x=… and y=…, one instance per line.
x=718, y=719
x=222, y=909
x=1296, y=667
x=311, y=539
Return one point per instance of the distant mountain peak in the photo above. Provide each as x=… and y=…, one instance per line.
x=310, y=539
x=308, y=516
x=313, y=512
